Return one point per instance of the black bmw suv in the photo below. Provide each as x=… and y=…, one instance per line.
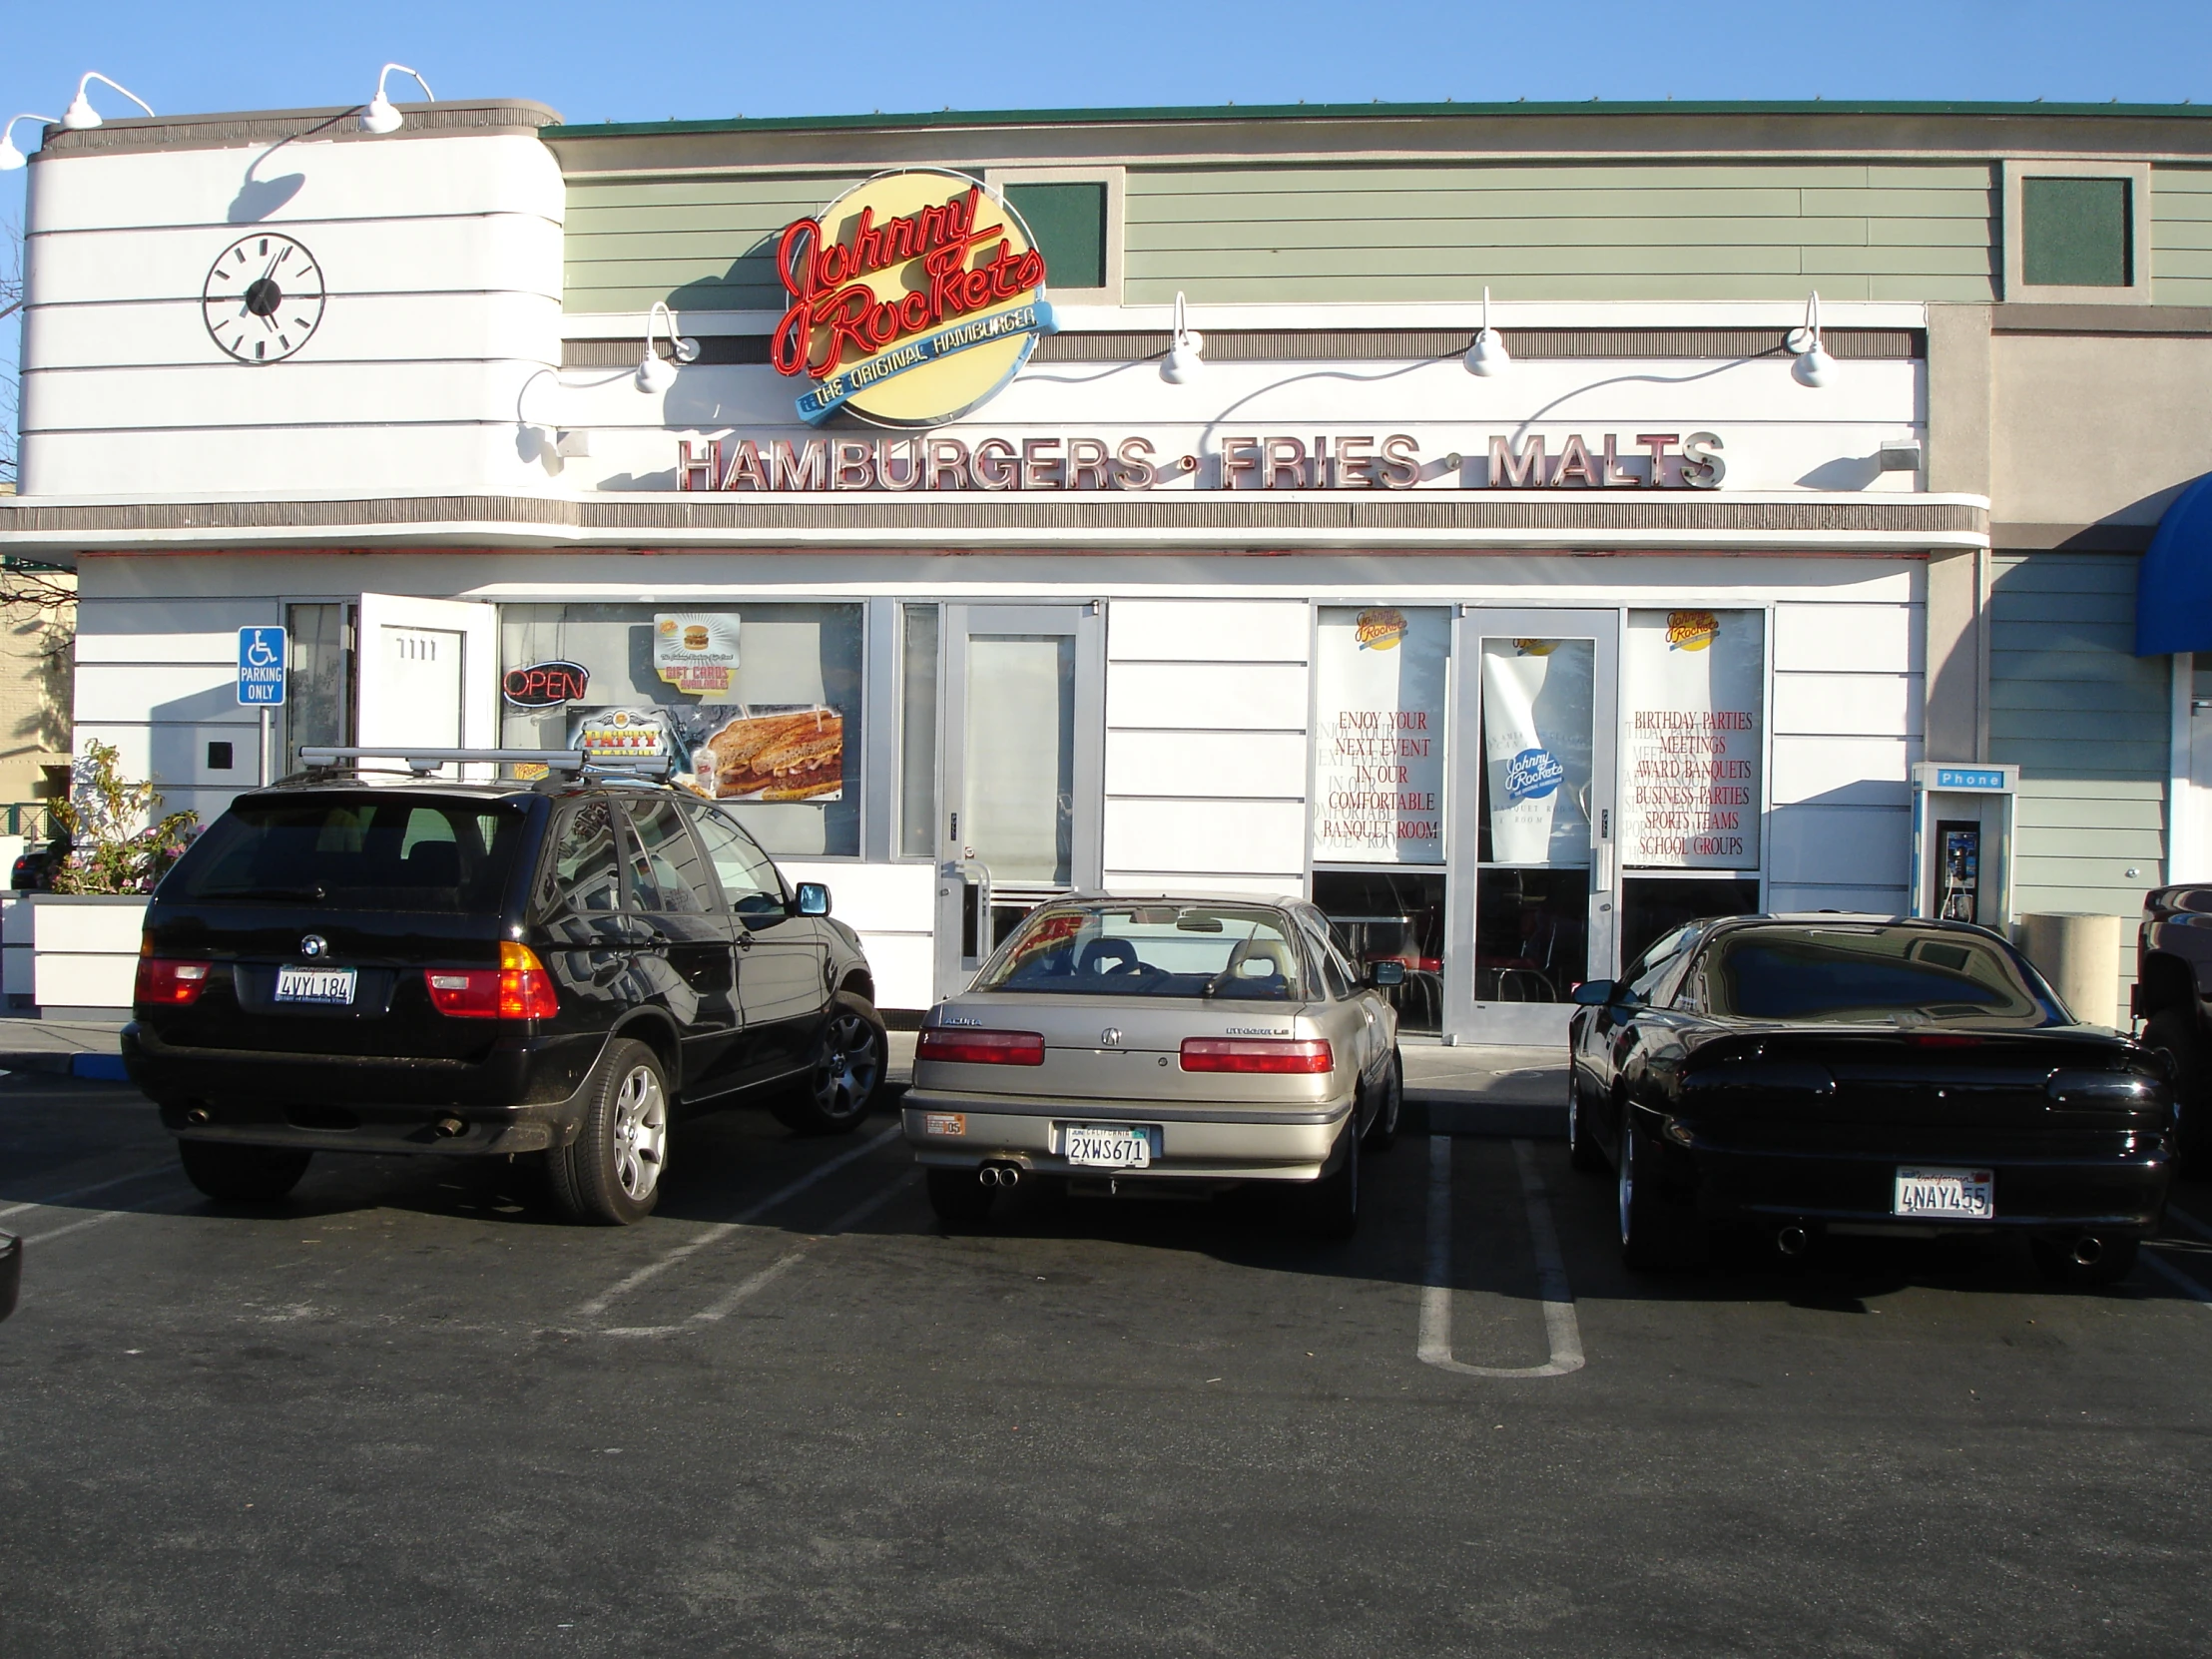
x=559, y=968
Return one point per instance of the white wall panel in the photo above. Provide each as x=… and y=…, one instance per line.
x=120, y=692
x=101, y=648
x=1251, y=837
x=276, y=461
x=1847, y=705
x=1851, y=639
x=1839, y=846
x=1880, y=901
x=1206, y=696
x=1845, y=772
x=1206, y=763
x=361, y=327
x=1142, y=883
x=1208, y=630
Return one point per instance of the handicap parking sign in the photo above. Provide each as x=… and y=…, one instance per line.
x=261, y=666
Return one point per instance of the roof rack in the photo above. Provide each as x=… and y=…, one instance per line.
x=423, y=761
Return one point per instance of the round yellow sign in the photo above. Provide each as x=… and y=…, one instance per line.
x=914, y=297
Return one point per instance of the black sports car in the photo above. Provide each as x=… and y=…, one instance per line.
x=1847, y=1074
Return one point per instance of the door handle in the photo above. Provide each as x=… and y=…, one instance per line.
x=745, y=939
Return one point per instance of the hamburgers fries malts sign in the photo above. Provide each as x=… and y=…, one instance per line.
x=914, y=296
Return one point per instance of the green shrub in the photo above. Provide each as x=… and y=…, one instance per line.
x=117, y=846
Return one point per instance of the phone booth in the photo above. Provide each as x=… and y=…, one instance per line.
x=1962, y=842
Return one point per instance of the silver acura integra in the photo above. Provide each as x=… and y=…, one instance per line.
x=1199, y=1041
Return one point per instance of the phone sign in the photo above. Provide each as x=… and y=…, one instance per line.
x=262, y=656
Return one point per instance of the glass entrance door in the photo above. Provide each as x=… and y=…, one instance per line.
x=1534, y=867
x=1022, y=729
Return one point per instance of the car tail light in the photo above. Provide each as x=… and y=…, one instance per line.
x=957, y=1045
x=518, y=988
x=1264, y=1054
x=168, y=983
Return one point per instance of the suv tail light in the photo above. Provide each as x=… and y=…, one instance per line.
x=1264, y=1054
x=957, y=1045
x=518, y=988
x=168, y=983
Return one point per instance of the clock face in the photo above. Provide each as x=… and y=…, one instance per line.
x=262, y=299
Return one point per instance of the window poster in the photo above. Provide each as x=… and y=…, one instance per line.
x=1379, y=735
x=1694, y=687
x=1537, y=697
x=748, y=702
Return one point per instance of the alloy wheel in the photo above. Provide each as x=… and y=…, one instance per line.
x=640, y=1133
x=850, y=1068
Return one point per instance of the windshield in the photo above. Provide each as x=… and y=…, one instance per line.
x=1872, y=974
x=371, y=851
x=1208, y=950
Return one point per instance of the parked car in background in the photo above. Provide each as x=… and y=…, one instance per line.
x=11, y=1272
x=471, y=970
x=1846, y=1074
x=34, y=867
x=1187, y=1042
x=2173, y=983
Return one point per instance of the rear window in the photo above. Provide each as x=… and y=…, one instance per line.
x=1206, y=950
x=1870, y=975
x=375, y=850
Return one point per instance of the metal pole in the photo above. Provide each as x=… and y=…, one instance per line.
x=265, y=779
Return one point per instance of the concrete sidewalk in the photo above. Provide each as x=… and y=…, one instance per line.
x=62, y=1047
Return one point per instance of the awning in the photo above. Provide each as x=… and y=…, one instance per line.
x=2173, y=587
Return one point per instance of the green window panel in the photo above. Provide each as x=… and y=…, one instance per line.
x=1069, y=223
x=2078, y=233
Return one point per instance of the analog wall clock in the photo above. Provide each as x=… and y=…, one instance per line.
x=262, y=299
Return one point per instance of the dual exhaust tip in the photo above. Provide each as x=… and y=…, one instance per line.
x=1003, y=1176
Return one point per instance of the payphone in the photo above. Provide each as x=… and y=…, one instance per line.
x=1962, y=842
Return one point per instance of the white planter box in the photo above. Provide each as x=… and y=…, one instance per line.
x=84, y=949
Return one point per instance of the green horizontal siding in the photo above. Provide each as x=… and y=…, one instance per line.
x=1597, y=230
x=1381, y=232
x=2089, y=723
x=2181, y=235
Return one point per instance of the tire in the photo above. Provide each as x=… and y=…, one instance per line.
x=1329, y=1207
x=242, y=1173
x=1656, y=1231
x=2174, y=1033
x=957, y=1197
x=2055, y=1260
x=847, y=1074
x=611, y=1173
x=1582, y=1152
x=1381, y=1134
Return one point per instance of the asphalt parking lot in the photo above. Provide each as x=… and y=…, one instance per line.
x=408, y=1412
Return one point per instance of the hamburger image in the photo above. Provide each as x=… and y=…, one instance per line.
x=795, y=756
x=694, y=637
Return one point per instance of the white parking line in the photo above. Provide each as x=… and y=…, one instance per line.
x=722, y=1230
x=1560, y=1325
x=100, y=1220
x=86, y=1192
x=747, y=1289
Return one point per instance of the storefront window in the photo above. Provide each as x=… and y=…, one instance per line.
x=756, y=704
x=1655, y=905
x=1392, y=916
x=1694, y=712
x=319, y=692
x=1378, y=760
x=917, y=733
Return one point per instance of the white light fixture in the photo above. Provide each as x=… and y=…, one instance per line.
x=655, y=372
x=381, y=116
x=81, y=113
x=1814, y=366
x=1183, y=362
x=1488, y=355
x=10, y=157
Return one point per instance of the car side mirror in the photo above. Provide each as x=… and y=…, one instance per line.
x=814, y=899
x=1383, y=975
x=1598, y=993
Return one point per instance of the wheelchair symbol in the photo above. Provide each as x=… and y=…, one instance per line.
x=259, y=654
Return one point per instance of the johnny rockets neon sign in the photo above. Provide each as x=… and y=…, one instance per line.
x=914, y=297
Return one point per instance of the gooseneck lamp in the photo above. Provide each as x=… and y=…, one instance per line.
x=1488, y=355
x=1183, y=362
x=1813, y=367
x=381, y=115
x=81, y=114
x=655, y=372
x=10, y=157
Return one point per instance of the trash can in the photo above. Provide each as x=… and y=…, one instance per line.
x=2080, y=955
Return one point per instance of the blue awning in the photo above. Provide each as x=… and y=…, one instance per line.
x=2173, y=588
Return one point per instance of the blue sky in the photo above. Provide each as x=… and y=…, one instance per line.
x=606, y=62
